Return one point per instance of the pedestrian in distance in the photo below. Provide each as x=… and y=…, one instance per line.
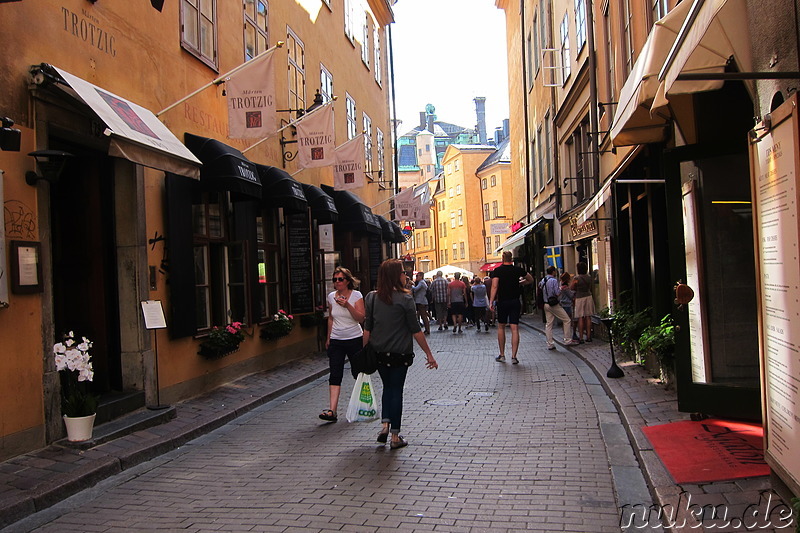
x=420, y=291
x=567, y=301
x=345, y=336
x=439, y=289
x=551, y=290
x=507, y=282
x=584, y=303
x=480, y=302
x=487, y=281
x=457, y=301
x=391, y=324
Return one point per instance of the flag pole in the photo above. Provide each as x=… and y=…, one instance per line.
x=220, y=79
x=292, y=123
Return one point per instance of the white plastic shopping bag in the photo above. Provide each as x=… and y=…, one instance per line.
x=363, y=405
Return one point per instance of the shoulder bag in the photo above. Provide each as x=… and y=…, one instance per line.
x=366, y=359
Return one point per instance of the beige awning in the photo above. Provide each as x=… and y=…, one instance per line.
x=634, y=123
x=135, y=133
x=714, y=31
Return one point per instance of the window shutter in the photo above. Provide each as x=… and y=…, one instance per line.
x=180, y=277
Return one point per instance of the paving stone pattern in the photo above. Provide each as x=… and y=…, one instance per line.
x=517, y=447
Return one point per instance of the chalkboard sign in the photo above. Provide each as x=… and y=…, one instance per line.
x=375, y=257
x=301, y=282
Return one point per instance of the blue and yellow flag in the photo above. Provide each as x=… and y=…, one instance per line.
x=553, y=257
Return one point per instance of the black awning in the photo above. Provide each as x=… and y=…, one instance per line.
x=224, y=167
x=281, y=190
x=391, y=232
x=354, y=215
x=323, y=208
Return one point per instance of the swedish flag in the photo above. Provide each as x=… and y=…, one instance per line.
x=553, y=257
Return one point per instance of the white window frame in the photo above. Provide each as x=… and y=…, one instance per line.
x=192, y=18
x=296, y=69
x=580, y=24
x=365, y=36
x=325, y=84
x=258, y=30
x=452, y=219
x=566, y=66
x=352, y=124
x=367, y=122
x=460, y=217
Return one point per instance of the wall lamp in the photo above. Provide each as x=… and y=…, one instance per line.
x=9, y=137
x=50, y=162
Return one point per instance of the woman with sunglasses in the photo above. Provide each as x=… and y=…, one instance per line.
x=390, y=325
x=345, y=314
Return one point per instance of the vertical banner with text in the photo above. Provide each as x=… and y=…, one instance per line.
x=251, y=99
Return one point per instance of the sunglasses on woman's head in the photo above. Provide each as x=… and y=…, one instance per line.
x=339, y=279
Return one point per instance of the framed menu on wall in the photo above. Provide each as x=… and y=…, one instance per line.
x=301, y=277
x=774, y=171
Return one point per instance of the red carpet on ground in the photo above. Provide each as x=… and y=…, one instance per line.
x=709, y=450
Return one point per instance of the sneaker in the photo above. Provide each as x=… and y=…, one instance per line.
x=500, y=358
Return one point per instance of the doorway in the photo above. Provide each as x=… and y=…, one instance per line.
x=85, y=288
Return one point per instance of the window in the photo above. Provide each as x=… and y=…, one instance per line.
x=496, y=242
x=461, y=247
x=534, y=54
x=425, y=239
x=381, y=149
x=486, y=211
x=199, y=29
x=494, y=180
x=580, y=24
x=348, y=19
x=365, y=48
x=444, y=257
x=627, y=37
x=450, y=192
x=456, y=165
x=325, y=84
x=368, y=145
x=270, y=265
x=376, y=41
x=458, y=189
x=539, y=160
x=580, y=168
x=483, y=183
x=545, y=42
x=611, y=65
x=455, y=251
x=659, y=9
x=441, y=205
x=357, y=266
x=219, y=265
x=495, y=209
x=460, y=217
x=352, y=127
x=566, y=67
x=297, y=72
x=453, y=219
x=488, y=246
x=548, y=152
x=255, y=28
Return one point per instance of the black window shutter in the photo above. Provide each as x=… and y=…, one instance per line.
x=180, y=250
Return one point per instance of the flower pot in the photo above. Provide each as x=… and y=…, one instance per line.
x=79, y=428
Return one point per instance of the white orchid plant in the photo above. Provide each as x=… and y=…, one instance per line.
x=75, y=366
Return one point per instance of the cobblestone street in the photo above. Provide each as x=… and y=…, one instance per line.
x=493, y=447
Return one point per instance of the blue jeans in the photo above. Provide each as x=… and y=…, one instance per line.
x=394, y=379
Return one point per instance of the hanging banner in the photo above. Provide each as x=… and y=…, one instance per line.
x=251, y=99
x=315, y=139
x=348, y=170
x=421, y=215
x=404, y=203
x=554, y=257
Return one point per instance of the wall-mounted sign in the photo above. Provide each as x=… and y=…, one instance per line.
x=26, y=267
x=499, y=229
x=580, y=231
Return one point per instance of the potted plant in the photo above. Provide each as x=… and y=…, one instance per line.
x=78, y=403
x=658, y=341
x=222, y=341
x=280, y=326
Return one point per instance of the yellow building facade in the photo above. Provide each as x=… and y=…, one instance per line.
x=127, y=223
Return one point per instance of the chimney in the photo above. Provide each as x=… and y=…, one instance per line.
x=480, y=111
x=422, y=120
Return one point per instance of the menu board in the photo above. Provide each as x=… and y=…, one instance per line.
x=775, y=195
x=374, y=259
x=301, y=281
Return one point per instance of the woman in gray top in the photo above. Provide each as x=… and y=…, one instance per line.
x=390, y=324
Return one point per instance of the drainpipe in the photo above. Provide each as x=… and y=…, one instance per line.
x=593, y=121
x=393, y=121
x=525, y=112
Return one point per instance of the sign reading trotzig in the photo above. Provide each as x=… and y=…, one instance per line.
x=251, y=99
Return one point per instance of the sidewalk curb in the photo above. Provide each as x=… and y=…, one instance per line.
x=109, y=458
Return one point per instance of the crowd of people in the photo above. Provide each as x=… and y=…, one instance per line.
x=403, y=309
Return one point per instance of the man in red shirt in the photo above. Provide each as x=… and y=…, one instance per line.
x=457, y=301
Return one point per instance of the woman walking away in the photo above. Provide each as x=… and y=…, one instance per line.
x=567, y=301
x=390, y=325
x=479, y=304
x=584, y=304
x=345, y=337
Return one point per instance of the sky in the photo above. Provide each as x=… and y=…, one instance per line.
x=447, y=52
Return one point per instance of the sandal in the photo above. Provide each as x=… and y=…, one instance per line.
x=382, y=437
x=514, y=361
x=500, y=358
x=398, y=443
x=329, y=415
